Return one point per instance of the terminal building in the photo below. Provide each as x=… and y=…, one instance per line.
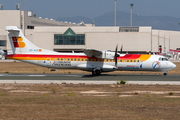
x=67, y=37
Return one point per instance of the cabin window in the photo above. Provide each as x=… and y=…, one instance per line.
x=141, y=60
x=124, y=60
x=74, y=59
x=134, y=60
x=61, y=59
x=120, y=60
x=54, y=59
x=58, y=59
x=131, y=61
x=127, y=60
x=137, y=60
x=78, y=59
x=68, y=59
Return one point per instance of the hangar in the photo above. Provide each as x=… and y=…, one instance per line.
x=67, y=37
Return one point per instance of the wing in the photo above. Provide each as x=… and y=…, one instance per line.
x=92, y=53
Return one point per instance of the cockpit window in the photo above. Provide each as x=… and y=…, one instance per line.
x=160, y=59
x=163, y=59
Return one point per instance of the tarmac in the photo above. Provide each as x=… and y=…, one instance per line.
x=89, y=79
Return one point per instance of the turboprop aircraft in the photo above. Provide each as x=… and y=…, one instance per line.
x=91, y=60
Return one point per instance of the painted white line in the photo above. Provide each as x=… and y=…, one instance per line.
x=37, y=75
x=88, y=82
x=154, y=82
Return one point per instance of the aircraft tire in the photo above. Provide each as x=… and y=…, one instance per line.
x=96, y=72
x=164, y=74
x=93, y=72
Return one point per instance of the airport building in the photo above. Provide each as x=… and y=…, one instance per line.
x=67, y=37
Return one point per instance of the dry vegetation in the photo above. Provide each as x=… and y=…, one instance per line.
x=21, y=67
x=79, y=102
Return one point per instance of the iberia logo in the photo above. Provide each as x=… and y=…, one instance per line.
x=17, y=41
x=156, y=64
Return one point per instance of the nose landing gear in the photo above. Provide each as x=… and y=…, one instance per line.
x=164, y=73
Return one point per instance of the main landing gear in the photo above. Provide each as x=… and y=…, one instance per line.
x=96, y=72
x=164, y=73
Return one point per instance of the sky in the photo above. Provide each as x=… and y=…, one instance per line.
x=94, y=8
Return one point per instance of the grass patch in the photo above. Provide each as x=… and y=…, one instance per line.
x=3, y=94
x=136, y=93
x=35, y=70
x=122, y=82
x=170, y=93
x=6, y=72
x=53, y=90
x=71, y=94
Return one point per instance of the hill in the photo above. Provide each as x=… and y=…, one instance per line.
x=123, y=19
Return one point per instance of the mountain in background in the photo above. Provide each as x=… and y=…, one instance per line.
x=123, y=19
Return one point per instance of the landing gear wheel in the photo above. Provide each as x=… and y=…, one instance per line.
x=93, y=72
x=96, y=72
x=164, y=74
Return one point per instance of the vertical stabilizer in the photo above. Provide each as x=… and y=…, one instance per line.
x=21, y=45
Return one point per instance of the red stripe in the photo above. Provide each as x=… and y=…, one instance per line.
x=46, y=56
x=127, y=56
x=130, y=56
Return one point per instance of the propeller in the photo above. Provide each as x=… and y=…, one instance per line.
x=116, y=55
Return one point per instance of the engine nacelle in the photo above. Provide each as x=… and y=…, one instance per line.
x=91, y=67
x=107, y=55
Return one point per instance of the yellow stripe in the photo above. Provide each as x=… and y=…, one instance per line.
x=144, y=57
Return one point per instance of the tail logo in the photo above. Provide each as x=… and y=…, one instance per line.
x=17, y=41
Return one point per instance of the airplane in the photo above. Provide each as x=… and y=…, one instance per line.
x=91, y=60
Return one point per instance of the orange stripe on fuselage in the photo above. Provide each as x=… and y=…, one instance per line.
x=44, y=57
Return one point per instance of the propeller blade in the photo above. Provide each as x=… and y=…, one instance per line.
x=121, y=48
x=115, y=56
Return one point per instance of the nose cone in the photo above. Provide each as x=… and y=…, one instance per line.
x=173, y=66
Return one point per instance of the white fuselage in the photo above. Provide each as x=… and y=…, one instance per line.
x=81, y=61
